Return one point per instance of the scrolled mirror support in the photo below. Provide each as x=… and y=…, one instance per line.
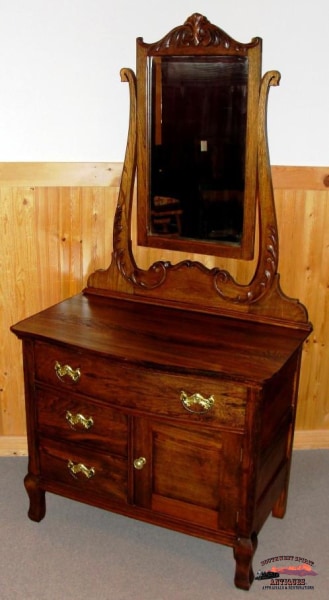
x=190, y=283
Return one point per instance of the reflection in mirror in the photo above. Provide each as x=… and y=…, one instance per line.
x=198, y=138
x=197, y=106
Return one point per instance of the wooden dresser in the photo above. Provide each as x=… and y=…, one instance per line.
x=168, y=394
x=175, y=417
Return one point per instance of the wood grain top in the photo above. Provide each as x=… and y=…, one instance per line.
x=172, y=339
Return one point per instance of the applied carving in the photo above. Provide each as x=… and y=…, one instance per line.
x=223, y=283
x=198, y=31
x=215, y=289
x=260, y=284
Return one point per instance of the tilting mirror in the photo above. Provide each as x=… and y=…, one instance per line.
x=200, y=91
x=198, y=141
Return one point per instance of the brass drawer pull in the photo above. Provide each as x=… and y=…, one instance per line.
x=80, y=468
x=139, y=463
x=62, y=371
x=196, y=403
x=79, y=419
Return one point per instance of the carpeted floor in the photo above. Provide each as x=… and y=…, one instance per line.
x=79, y=552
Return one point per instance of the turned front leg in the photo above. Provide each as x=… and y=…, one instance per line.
x=37, y=499
x=244, y=551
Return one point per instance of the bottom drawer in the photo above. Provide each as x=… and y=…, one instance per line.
x=89, y=472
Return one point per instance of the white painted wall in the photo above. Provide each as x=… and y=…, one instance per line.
x=61, y=98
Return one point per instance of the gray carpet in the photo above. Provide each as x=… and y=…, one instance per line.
x=79, y=552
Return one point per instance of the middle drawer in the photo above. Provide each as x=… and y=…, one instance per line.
x=75, y=418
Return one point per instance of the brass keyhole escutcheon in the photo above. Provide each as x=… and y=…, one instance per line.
x=139, y=463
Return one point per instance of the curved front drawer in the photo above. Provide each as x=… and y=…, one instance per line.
x=140, y=388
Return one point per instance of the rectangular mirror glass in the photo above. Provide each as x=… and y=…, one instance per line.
x=197, y=147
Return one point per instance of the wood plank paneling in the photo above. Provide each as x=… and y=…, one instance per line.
x=52, y=235
x=60, y=174
x=302, y=178
x=50, y=239
x=303, y=218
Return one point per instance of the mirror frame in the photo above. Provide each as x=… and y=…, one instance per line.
x=197, y=37
x=190, y=284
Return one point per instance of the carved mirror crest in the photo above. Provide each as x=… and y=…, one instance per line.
x=198, y=139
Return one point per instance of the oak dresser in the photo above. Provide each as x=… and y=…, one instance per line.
x=169, y=393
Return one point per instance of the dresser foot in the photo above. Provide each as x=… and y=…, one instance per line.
x=279, y=508
x=37, y=498
x=244, y=551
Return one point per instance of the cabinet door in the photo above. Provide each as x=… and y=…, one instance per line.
x=187, y=473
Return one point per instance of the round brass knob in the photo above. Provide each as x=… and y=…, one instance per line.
x=139, y=463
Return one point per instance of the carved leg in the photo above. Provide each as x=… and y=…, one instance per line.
x=36, y=495
x=244, y=551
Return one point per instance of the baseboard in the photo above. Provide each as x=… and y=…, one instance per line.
x=13, y=445
x=303, y=440
x=311, y=439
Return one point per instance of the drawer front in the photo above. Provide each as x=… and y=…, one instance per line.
x=90, y=473
x=77, y=419
x=218, y=401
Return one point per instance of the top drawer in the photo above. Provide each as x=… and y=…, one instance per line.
x=191, y=397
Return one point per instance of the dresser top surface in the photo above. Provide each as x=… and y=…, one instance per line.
x=170, y=338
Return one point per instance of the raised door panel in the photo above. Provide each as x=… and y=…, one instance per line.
x=190, y=474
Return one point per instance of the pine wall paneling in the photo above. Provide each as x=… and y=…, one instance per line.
x=56, y=228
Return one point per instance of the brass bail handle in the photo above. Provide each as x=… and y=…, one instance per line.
x=196, y=403
x=79, y=419
x=76, y=468
x=67, y=371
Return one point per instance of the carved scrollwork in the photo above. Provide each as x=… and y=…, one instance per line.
x=224, y=284
x=266, y=269
x=229, y=290
x=189, y=282
x=198, y=31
